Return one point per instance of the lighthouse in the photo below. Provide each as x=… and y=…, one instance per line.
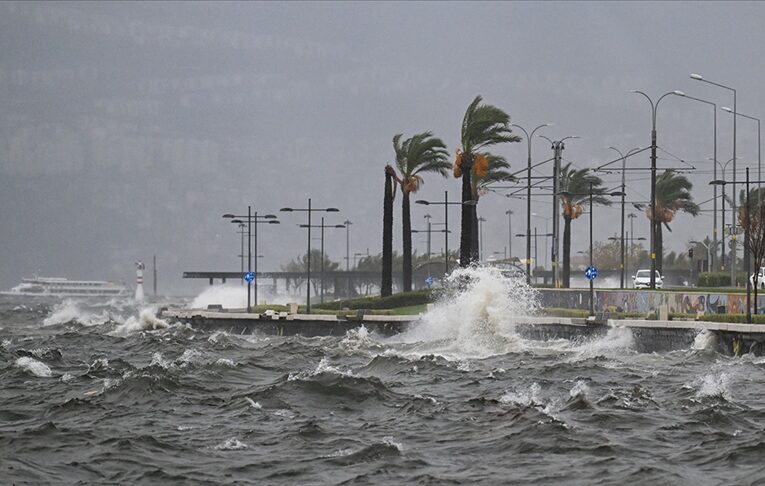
x=139, y=268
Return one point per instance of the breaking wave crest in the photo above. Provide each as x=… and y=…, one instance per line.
x=475, y=316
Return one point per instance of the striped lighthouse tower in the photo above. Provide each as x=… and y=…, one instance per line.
x=139, y=268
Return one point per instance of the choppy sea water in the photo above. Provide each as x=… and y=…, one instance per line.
x=106, y=393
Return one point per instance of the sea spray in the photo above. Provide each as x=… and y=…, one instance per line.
x=70, y=310
x=474, y=316
x=146, y=320
x=235, y=297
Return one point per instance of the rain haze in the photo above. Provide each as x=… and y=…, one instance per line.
x=128, y=129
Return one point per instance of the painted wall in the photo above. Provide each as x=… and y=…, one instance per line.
x=645, y=301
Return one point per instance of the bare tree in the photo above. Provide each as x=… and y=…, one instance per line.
x=754, y=221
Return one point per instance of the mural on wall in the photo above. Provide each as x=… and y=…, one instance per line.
x=644, y=302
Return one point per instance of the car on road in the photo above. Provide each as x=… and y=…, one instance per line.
x=760, y=279
x=642, y=279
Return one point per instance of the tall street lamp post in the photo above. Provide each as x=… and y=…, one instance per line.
x=536, y=237
x=528, y=197
x=654, y=225
x=309, y=210
x=759, y=139
x=698, y=77
x=252, y=219
x=714, y=176
x=723, y=168
x=622, y=263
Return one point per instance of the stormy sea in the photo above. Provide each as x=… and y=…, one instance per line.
x=107, y=393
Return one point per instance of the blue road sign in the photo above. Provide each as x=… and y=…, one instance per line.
x=249, y=276
x=429, y=281
x=591, y=273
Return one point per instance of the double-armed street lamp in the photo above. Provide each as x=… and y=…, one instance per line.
x=714, y=176
x=251, y=219
x=698, y=77
x=529, y=137
x=446, y=204
x=322, y=226
x=309, y=210
x=654, y=224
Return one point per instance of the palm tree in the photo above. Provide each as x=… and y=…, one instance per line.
x=672, y=195
x=574, y=195
x=481, y=182
x=386, y=284
x=482, y=126
x=418, y=155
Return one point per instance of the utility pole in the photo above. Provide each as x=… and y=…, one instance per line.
x=155, y=277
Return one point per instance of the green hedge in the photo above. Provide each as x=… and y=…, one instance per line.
x=720, y=279
x=404, y=299
x=733, y=318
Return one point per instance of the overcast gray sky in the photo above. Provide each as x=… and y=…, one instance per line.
x=128, y=129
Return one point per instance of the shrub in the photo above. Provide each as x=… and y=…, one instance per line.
x=404, y=299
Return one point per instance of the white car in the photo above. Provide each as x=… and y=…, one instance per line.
x=760, y=279
x=642, y=279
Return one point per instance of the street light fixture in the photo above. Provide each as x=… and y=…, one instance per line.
x=654, y=225
x=252, y=219
x=714, y=210
x=759, y=153
x=309, y=210
x=699, y=77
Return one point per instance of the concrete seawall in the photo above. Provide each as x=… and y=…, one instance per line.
x=648, y=336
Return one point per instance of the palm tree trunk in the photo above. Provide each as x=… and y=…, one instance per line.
x=386, y=285
x=466, y=231
x=659, y=249
x=407, y=235
x=566, y=273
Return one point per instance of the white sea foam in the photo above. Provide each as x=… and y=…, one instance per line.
x=253, y=403
x=580, y=388
x=714, y=385
x=523, y=398
x=234, y=296
x=474, y=318
x=225, y=362
x=705, y=340
x=232, y=444
x=37, y=368
x=70, y=310
x=146, y=321
x=322, y=367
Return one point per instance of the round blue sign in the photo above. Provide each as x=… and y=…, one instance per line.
x=249, y=276
x=429, y=281
x=591, y=273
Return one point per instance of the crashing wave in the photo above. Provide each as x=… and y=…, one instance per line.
x=37, y=368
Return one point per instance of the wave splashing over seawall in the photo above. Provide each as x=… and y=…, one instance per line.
x=474, y=318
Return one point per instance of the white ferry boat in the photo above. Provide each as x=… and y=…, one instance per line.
x=62, y=287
